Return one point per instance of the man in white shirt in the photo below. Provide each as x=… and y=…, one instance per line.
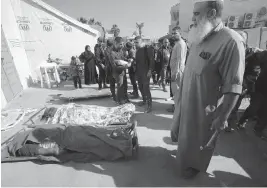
x=177, y=62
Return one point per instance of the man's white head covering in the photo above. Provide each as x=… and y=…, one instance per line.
x=197, y=1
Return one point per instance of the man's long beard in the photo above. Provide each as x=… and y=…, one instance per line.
x=201, y=30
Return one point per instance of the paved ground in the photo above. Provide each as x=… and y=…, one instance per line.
x=239, y=160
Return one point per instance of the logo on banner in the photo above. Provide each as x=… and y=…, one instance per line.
x=67, y=28
x=47, y=28
x=24, y=27
x=47, y=24
x=23, y=23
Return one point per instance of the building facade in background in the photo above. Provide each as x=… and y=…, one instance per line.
x=174, y=16
x=238, y=14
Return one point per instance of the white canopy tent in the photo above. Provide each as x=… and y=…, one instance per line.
x=32, y=30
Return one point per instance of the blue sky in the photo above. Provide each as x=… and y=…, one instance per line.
x=125, y=13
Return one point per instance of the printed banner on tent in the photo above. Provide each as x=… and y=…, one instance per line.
x=44, y=30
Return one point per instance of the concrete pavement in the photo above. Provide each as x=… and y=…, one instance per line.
x=239, y=158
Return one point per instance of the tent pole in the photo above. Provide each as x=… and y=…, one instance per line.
x=260, y=37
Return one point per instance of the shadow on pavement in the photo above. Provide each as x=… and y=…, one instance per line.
x=154, y=167
x=243, y=149
x=238, y=180
x=152, y=121
x=240, y=153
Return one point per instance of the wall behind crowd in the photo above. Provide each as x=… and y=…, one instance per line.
x=231, y=8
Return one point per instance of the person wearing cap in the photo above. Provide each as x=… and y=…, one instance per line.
x=119, y=70
x=109, y=71
x=131, y=58
x=100, y=63
x=177, y=63
x=168, y=80
x=211, y=85
x=157, y=67
x=164, y=58
x=144, y=66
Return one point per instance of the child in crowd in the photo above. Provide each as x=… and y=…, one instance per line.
x=76, y=72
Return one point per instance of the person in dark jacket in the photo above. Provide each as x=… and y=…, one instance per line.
x=119, y=70
x=144, y=67
x=164, y=58
x=258, y=103
x=157, y=67
x=100, y=63
x=131, y=58
x=88, y=58
x=109, y=70
x=252, y=71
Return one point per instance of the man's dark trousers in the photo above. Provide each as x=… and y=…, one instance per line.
x=156, y=73
x=133, y=80
x=144, y=88
x=256, y=102
x=121, y=81
x=112, y=83
x=171, y=94
x=102, y=76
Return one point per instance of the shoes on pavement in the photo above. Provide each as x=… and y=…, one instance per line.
x=127, y=101
x=142, y=103
x=171, y=110
x=228, y=129
x=190, y=173
x=134, y=95
x=148, y=109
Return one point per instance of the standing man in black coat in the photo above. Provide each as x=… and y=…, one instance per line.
x=144, y=67
x=109, y=70
x=100, y=63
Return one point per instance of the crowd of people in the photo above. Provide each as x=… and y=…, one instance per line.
x=144, y=62
x=207, y=79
